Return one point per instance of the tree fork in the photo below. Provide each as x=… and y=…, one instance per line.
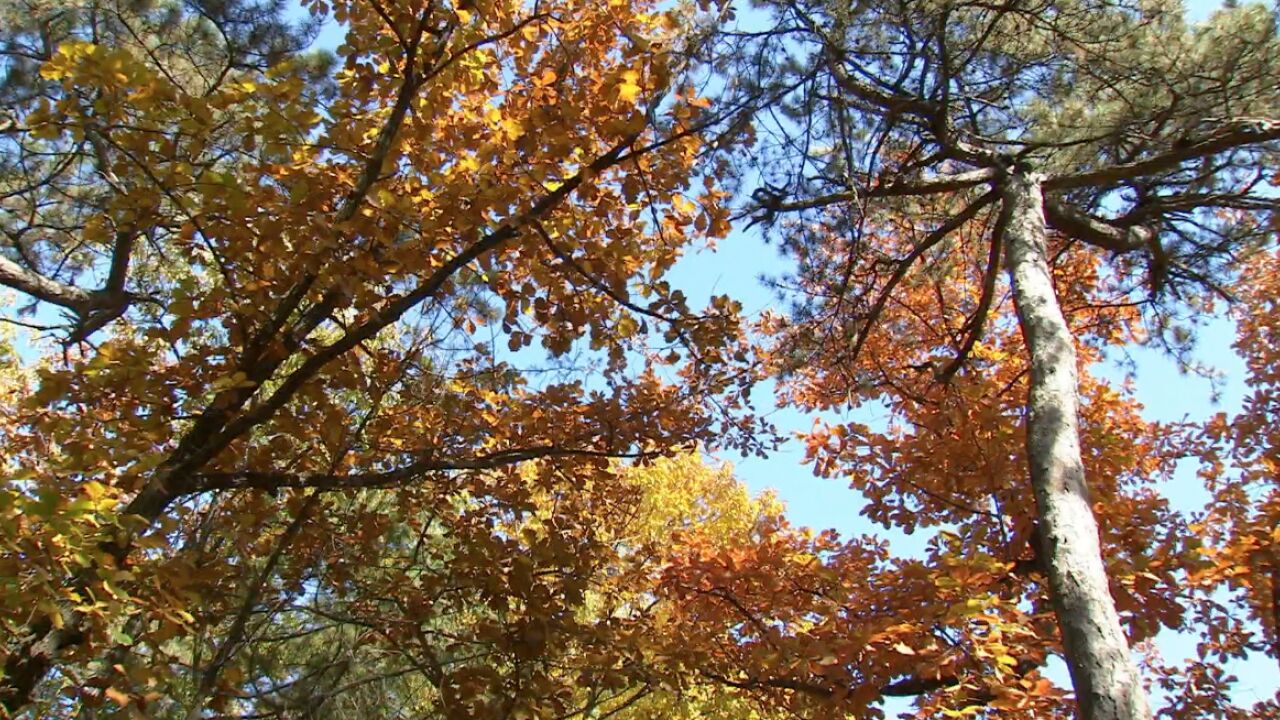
x=1107, y=683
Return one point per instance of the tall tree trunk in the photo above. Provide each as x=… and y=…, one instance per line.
x=1106, y=681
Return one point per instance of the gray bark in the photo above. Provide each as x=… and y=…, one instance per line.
x=1106, y=681
x=15, y=276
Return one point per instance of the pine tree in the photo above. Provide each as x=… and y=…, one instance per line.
x=1116, y=125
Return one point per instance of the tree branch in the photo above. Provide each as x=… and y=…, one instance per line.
x=974, y=327
x=1226, y=135
x=924, y=186
x=938, y=235
x=205, y=482
x=1096, y=231
x=42, y=288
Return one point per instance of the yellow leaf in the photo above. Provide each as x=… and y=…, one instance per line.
x=94, y=489
x=630, y=88
x=682, y=204
x=117, y=697
x=54, y=614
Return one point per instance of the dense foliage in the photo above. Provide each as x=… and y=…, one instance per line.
x=352, y=383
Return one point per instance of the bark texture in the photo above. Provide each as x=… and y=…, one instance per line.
x=1106, y=681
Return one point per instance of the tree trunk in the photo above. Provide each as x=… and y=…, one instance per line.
x=1106, y=681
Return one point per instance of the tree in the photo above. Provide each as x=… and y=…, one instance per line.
x=286, y=291
x=1241, y=525
x=1236, y=589
x=429, y=607
x=1053, y=128
x=73, y=209
x=288, y=448
x=840, y=626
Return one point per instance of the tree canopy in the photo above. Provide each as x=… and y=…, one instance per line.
x=353, y=381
